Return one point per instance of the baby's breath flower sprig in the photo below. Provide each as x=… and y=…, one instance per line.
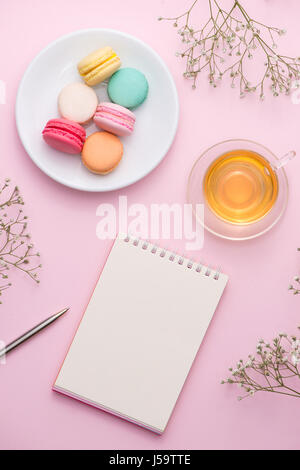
x=226, y=41
x=16, y=250
x=273, y=368
x=295, y=286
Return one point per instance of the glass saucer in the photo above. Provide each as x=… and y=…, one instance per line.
x=218, y=226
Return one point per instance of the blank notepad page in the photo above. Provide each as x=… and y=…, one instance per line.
x=140, y=333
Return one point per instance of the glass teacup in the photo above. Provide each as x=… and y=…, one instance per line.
x=243, y=187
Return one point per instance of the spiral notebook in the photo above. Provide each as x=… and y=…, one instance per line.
x=140, y=333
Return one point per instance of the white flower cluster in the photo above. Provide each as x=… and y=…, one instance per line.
x=295, y=351
x=232, y=37
x=295, y=289
x=270, y=368
x=15, y=251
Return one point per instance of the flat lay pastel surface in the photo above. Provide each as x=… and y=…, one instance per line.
x=63, y=222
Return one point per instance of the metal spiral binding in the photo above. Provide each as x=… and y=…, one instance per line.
x=173, y=257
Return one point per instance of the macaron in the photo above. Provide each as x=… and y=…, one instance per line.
x=77, y=102
x=102, y=152
x=128, y=87
x=114, y=118
x=64, y=135
x=99, y=65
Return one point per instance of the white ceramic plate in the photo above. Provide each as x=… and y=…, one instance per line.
x=54, y=67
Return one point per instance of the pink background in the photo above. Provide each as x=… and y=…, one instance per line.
x=63, y=225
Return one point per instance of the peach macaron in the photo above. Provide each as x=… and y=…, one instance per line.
x=102, y=152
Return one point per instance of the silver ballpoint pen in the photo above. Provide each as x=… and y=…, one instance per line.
x=31, y=332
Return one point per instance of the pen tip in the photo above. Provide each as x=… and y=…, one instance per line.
x=63, y=311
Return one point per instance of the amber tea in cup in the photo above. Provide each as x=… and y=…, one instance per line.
x=240, y=187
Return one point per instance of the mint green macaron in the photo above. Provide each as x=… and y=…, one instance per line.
x=128, y=87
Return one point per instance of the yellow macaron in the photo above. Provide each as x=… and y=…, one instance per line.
x=99, y=65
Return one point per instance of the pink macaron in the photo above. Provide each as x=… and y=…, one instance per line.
x=114, y=118
x=64, y=135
